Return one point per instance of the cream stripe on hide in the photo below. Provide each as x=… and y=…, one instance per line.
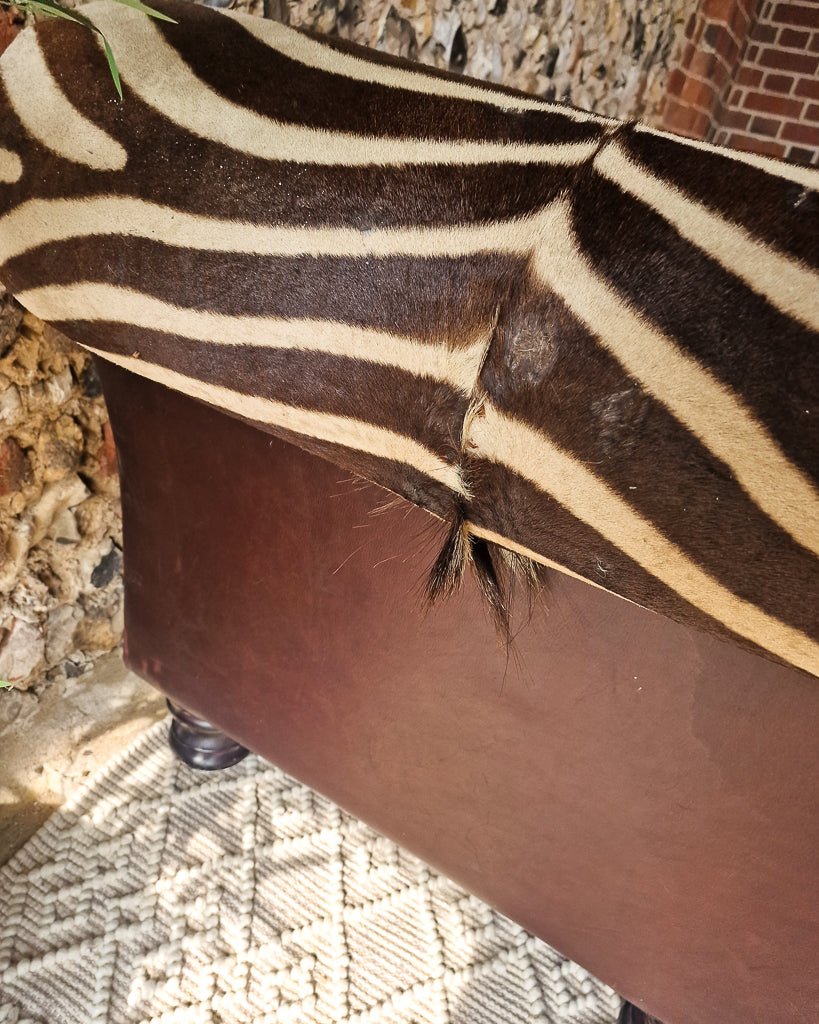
x=535, y=457
x=316, y=55
x=524, y=552
x=710, y=410
x=156, y=73
x=101, y=302
x=48, y=116
x=341, y=430
x=40, y=221
x=11, y=167
x=784, y=282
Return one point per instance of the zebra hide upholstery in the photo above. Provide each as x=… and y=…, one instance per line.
x=582, y=343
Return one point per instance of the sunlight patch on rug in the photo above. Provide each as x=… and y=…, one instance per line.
x=164, y=895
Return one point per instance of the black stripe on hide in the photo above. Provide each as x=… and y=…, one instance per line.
x=773, y=209
x=235, y=64
x=172, y=167
x=426, y=299
x=429, y=411
x=513, y=507
x=764, y=356
x=546, y=369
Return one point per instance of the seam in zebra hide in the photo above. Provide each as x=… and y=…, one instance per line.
x=496, y=569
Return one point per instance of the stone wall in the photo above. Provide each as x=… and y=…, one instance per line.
x=60, y=528
x=611, y=56
x=60, y=561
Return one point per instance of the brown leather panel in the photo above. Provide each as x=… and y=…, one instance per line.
x=641, y=795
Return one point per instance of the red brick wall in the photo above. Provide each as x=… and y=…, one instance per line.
x=748, y=77
x=715, y=38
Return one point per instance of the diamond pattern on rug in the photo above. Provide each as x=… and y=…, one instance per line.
x=160, y=895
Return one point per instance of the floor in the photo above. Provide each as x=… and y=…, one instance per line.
x=51, y=741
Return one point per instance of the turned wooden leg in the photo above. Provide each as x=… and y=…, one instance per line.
x=630, y=1014
x=199, y=744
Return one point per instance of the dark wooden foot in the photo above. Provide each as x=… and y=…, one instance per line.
x=199, y=744
x=630, y=1014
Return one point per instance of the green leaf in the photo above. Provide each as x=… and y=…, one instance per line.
x=4, y=685
x=58, y=11
x=53, y=9
x=112, y=64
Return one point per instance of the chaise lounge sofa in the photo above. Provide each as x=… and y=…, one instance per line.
x=631, y=772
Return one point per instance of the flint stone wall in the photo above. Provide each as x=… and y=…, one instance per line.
x=60, y=522
x=60, y=560
x=610, y=56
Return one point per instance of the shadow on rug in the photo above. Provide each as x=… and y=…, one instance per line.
x=163, y=895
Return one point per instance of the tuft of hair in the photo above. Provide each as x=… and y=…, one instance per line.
x=497, y=572
x=493, y=587
x=531, y=574
x=447, y=573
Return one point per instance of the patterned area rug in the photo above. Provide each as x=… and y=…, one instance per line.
x=169, y=896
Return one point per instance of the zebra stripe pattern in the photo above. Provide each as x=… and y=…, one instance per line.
x=587, y=343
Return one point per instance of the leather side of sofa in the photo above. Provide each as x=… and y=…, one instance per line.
x=639, y=794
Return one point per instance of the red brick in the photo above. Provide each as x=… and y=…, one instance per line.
x=720, y=40
x=690, y=26
x=675, y=82
x=779, y=83
x=673, y=116
x=808, y=87
x=752, y=54
x=765, y=126
x=814, y=45
x=798, y=155
x=767, y=147
x=8, y=29
x=787, y=60
x=761, y=33
x=721, y=75
x=718, y=10
x=702, y=25
x=703, y=127
x=807, y=134
x=794, y=39
x=749, y=76
x=688, y=55
x=697, y=94
x=721, y=137
x=811, y=113
x=686, y=121
x=739, y=24
x=735, y=99
x=702, y=65
x=735, y=119
x=795, y=14
x=768, y=104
